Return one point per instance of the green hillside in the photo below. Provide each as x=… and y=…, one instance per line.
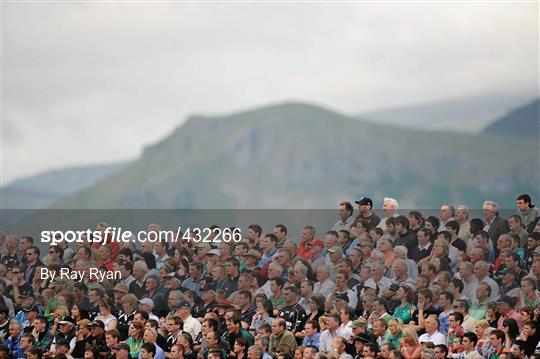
x=44, y=189
x=521, y=122
x=296, y=155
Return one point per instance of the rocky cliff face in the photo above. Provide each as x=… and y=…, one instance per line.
x=295, y=155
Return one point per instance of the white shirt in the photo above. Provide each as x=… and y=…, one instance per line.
x=383, y=284
x=192, y=326
x=437, y=338
x=325, y=341
x=325, y=288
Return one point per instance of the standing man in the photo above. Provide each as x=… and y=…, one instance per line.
x=346, y=219
x=528, y=213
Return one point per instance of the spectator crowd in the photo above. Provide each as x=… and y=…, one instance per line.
x=398, y=285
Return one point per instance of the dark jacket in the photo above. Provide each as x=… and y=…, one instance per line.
x=409, y=240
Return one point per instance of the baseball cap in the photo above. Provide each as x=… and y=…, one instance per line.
x=32, y=308
x=361, y=322
x=67, y=320
x=27, y=294
x=507, y=299
x=254, y=254
x=214, y=252
x=183, y=304
x=364, y=201
x=97, y=323
x=317, y=243
x=342, y=296
x=121, y=287
x=336, y=249
x=147, y=301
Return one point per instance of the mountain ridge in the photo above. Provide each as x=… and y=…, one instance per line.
x=278, y=156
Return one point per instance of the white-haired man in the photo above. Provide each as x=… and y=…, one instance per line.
x=390, y=207
x=494, y=225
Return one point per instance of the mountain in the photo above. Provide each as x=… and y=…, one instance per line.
x=295, y=155
x=464, y=115
x=521, y=122
x=44, y=189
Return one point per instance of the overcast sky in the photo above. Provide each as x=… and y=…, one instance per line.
x=95, y=82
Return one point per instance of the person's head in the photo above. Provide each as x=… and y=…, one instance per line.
x=446, y=212
x=312, y=327
x=402, y=224
x=370, y=351
x=174, y=324
x=27, y=341
x=481, y=328
x=523, y=202
x=483, y=291
x=339, y=344
x=240, y=345
x=333, y=322
x=455, y=320
x=441, y=351
x=432, y=324
x=268, y=242
x=280, y=231
x=148, y=351
x=518, y=349
x=212, y=339
x=255, y=352
x=506, y=304
x=490, y=210
x=461, y=306
x=345, y=210
x=278, y=326
x=510, y=327
x=390, y=206
x=32, y=254
x=136, y=330
x=427, y=353
x=323, y=273
x=386, y=349
x=528, y=285
x=469, y=341
x=379, y=327
x=40, y=324
x=15, y=328
x=395, y=326
x=112, y=337
x=232, y=320
x=150, y=335
x=497, y=338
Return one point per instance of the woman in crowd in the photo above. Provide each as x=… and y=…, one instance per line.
x=58, y=315
x=240, y=349
x=511, y=332
x=481, y=330
x=409, y=347
x=135, y=340
x=106, y=317
x=78, y=314
x=492, y=315
x=395, y=332
x=316, y=307
x=405, y=309
x=263, y=312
